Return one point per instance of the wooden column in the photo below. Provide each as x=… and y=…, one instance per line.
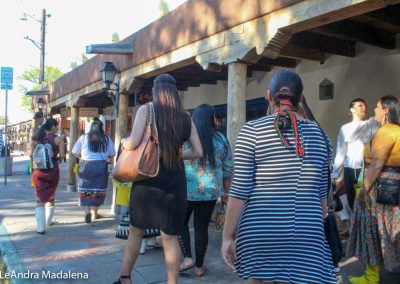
x=121, y=131
x=122, y=119
x=73, y=136
x=237, y=74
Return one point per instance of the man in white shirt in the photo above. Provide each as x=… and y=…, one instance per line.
x=349, y=152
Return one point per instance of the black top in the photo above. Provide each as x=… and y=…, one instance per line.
x=160, y=202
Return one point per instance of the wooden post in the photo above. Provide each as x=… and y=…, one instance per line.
x=121, y=132
x=73, y=134
x=122, y=119
x=237, y=74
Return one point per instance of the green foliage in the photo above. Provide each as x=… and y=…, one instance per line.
x=32, y=76
x=84, y=58
x=73, y=64
x=115, y=38
x=81, y=60
x=163, y=7
x=31, y=82
x=26, y=103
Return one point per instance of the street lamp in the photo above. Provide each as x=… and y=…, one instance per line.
x=39, y=117
x=108, y=74
x=40, y=103
x=40, y=45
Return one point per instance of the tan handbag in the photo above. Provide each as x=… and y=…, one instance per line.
x=144, y=161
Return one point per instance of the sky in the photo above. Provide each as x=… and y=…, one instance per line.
x=72, y=26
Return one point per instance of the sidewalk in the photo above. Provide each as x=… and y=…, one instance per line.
x=71, y=245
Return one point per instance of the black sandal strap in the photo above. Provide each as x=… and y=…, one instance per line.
x=125, y=277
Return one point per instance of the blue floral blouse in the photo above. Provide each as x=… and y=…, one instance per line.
x=205, y=183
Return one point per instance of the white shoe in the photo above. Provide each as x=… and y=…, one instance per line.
x=153, y=242
x=40, y=220
x=49, y=215
x=143, y=247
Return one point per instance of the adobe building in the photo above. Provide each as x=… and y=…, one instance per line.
x=223, y=52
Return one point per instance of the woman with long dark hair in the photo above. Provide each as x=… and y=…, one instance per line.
x=160, y=202
x=46, y=180
x=375, y=224
x=93, y=150
x=208, y=179
x=278, y=195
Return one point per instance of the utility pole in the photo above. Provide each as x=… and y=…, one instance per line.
x=42, y=45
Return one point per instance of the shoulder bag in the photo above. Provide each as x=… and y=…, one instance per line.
x=387, y=189
x=144, y=161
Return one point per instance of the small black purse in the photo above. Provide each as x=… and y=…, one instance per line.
x=338, y=203
x=388, y=192
x=333, y=238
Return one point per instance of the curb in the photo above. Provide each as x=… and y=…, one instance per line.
x=10, y=257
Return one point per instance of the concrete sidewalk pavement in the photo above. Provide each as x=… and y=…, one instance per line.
x=91, y=249
x=72, y=245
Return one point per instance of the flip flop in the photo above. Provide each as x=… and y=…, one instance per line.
x=184, y=267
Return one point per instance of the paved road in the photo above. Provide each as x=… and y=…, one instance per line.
x=71, y=245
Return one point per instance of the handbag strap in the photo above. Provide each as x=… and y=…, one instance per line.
x=151, y=122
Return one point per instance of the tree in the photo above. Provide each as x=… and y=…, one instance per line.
x=31, y=78
x=84, y=58
x=73, y=64
x=81, y=60
x=163, y=7
x=115, y=38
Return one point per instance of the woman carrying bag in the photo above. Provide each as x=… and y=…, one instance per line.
x=375, y=230
x=160, y=201
x=46, y=178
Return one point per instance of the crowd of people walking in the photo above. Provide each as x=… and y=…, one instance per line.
x=275, y=184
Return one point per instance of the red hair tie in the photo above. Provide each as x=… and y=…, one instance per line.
x=286, y=109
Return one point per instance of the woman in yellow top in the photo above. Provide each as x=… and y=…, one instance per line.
x=375, y=232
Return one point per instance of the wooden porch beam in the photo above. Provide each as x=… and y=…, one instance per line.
x=260, y=67
x=390, y=15
x=324, y=43
x=355, y=31
x=280, y=61
x=136, y=85
x=298, y=52
x=377, y=23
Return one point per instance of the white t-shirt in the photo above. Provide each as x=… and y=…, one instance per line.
x=350, y=144
x=82, y=147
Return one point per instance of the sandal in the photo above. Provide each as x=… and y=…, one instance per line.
x=200, y=271
x=88, y=218
x=184, y=267
x=96, y=216
x=121, y=277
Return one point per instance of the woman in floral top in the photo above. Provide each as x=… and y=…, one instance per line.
x=207, y=180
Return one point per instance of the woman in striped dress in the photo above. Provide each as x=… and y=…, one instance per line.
x=278, y=196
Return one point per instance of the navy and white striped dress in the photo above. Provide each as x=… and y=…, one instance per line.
x=280, y=236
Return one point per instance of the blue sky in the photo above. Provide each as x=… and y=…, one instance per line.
x=73, y=25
